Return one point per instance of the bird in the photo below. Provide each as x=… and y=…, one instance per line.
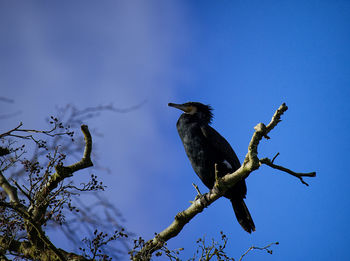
x=205, y=147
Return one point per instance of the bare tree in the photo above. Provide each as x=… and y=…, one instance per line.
x=39, y=194
x=29, y=158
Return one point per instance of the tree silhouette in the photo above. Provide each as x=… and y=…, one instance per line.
x=39, y=195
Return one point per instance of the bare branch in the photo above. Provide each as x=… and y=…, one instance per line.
x=276, y=118
x=61, y=173
x=25, y=134
x=266, y=248
x=10, y=131
x=273, y=159
x=10, y=190
x=197, y=189
x=22, y=190
x=19, y=208
x=46, y=196
x=251, y=163
x=25, y=249
x=269, y=163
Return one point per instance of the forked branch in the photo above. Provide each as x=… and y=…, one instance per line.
x=266, y=248
x=63, y=172
x=300, y=176
x=251, y=163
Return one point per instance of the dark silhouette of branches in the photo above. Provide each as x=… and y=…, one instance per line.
x=39, y=194
x=205, y=250
x=35, y=175
x=265, y=248
x=46, y=191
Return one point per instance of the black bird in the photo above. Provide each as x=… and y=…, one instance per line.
x=204, y=147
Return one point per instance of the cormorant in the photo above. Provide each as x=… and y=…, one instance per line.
x=204, y=147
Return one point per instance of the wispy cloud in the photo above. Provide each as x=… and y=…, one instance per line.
x=90, y=54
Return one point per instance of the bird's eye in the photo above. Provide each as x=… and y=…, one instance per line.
x=191, y=109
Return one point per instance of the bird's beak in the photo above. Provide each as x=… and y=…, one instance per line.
x=179, y=106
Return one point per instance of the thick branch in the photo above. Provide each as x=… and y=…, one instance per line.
x=25, y=249
x=251, y=163
x=61, y=173
x=37, y=210
x=276, y=118
x=251, y=160
x=39, y=245
x=300, y=176
x=18, y=208
x=10, y=190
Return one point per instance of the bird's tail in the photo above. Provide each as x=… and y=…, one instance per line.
x=242, y=214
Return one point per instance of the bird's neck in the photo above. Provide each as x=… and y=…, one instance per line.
x=197, y=118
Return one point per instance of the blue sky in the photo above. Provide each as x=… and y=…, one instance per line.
x=244, y=58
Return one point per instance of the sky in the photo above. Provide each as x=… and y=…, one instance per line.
x=244, y=58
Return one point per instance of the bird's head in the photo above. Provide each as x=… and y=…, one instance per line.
x=198, y=109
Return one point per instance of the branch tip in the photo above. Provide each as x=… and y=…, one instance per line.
x=300, y=176
x=197, y=189
x=273, y=159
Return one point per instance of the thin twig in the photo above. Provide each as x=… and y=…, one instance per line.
x=269, y=163
x=197, y=189
x=9, y=132
x=260, y=248
x=273, y=159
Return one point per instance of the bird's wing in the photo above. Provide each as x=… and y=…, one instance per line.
x=221, y=146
